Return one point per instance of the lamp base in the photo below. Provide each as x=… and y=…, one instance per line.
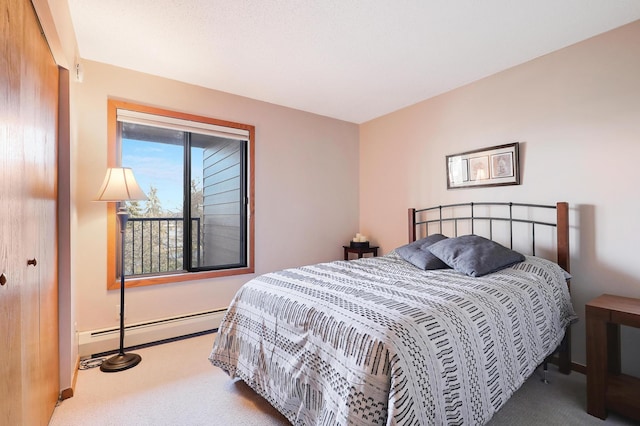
x=120, y=362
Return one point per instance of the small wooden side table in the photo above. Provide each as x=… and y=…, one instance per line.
x=360, y=251
x=607, y=388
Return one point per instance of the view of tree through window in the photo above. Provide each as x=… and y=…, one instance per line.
x=202, y=174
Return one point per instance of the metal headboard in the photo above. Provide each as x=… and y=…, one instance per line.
x=561, y=222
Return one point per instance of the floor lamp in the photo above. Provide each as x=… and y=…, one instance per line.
x=119, y=186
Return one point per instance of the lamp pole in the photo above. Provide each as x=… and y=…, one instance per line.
x=121, y=361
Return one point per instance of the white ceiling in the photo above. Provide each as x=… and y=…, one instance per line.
x=353, y=60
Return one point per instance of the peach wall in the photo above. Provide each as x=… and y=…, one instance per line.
x=577, y=114
x=306, y=191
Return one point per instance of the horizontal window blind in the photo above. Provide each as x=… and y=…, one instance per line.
x=136, y=117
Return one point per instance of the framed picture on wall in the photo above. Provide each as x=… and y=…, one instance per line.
x=493, y=166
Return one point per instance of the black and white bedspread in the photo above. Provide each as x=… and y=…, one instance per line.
x=379, y=341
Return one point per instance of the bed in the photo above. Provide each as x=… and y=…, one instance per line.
x=383, y=341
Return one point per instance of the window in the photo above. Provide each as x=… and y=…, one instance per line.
x=198, y=175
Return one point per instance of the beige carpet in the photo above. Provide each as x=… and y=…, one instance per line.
x=176, y=385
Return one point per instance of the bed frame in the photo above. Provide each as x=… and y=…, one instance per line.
x=509, y=213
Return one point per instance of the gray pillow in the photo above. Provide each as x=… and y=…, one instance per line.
x=474, y=255
x=417, y=254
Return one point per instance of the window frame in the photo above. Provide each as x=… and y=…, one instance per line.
x=113, y=160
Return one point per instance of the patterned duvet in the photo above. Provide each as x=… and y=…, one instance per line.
x=377, y=341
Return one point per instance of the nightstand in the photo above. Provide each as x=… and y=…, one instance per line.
x=360, y=251
x=607, y=388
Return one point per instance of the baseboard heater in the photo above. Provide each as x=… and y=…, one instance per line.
x=108, y=339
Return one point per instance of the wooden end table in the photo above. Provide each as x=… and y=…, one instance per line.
x=607, y=388
x=360, y=251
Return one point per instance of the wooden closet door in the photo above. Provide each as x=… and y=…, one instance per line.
x=41, y=160
x=29, y=367
x=39, y=106
x=11, y=210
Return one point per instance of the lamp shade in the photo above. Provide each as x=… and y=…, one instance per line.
x=120, y=185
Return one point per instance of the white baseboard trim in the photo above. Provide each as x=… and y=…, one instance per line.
x=108, y=339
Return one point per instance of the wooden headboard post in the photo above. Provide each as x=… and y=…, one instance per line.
x=562, y=229
x=412, y=225
x=562, y=232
